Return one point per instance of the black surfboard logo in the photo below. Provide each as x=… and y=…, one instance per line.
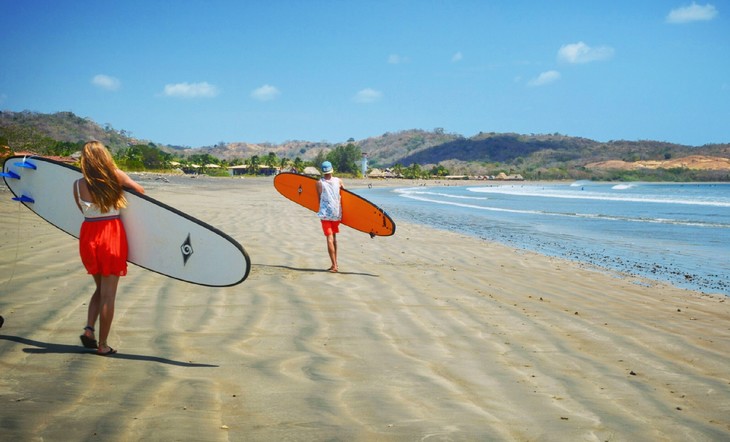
x=187, y=249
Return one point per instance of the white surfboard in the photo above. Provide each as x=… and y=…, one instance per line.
x=160, y=238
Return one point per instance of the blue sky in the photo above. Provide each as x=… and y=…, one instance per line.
x=196, y=73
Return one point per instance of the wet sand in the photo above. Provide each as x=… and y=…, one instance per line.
x=425, y=335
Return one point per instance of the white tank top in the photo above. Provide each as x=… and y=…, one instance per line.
x=91, y=210
x=330, y=207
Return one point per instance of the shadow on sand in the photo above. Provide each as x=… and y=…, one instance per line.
x=297, y=269
x=49, y=348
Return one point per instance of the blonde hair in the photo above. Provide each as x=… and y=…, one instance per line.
x=100, y=175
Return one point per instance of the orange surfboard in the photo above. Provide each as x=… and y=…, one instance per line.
x=357, y=212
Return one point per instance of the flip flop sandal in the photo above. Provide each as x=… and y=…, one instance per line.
x=109, y=352
x=87, y=341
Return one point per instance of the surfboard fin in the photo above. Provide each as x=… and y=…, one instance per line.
x=10, y=174
x=26, y=165
x=24, y=199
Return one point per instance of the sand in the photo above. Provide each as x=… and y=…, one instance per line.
x=426, y=335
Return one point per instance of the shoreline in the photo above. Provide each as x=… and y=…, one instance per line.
x=421, y=335
x=160, y=179
x=600, y=263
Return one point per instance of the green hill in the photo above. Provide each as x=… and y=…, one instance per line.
x=38, y=132
x=546, y=156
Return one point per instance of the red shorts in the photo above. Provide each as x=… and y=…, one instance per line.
x=330, y=227
x=103, y=247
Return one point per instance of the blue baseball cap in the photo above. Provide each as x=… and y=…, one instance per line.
x=326, y=167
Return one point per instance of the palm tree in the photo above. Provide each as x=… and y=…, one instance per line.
x=253, y=165
x=398, y=169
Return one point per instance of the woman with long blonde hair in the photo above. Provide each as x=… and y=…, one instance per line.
x=102, y=240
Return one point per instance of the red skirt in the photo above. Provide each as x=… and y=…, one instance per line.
x=103, y=246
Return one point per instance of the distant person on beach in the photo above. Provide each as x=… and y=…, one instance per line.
x=330, y=210
x=103, y=240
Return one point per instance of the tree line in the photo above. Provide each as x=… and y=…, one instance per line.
x=346, y=160
x=149, y=157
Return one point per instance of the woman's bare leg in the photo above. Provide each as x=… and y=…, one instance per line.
x=93, y=314
x=107, y=298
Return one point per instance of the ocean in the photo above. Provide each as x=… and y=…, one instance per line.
x=676, y=233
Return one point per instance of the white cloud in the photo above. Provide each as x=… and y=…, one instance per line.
x=693, y=12
x=265, y=93
x=397, y=59
x=368, y=96
x=457, y=57
x=546, y=77
x=191, y=90
x=106, y=82
x=582, y=53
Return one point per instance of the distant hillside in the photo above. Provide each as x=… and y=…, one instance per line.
x=386, y=149
x=305, y=150
x=550, y=150
x=33, y=131
x=393, y=147
x=535, y=156
x=692, y=162
x=511, y=150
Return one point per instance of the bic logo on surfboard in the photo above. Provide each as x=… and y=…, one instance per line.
x=187, y=250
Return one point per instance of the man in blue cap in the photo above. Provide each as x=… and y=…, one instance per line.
x=330, y=210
